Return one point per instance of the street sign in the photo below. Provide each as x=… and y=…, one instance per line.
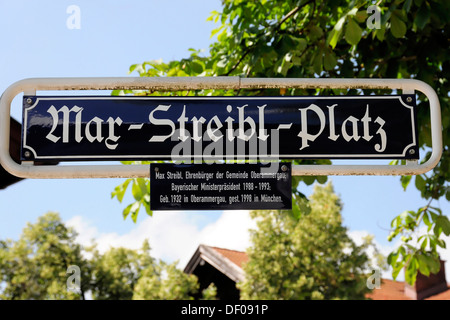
x=28, y=168
x=75, y=128
x=220, y=186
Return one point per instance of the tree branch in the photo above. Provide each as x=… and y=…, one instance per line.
x=277, y=26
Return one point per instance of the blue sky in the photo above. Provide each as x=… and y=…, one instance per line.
x=114, y=35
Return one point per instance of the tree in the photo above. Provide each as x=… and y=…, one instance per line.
x=35, y=266
x=116, y=272
x=126, y=274
x=165, y=283
x=307, y=258
x=311, y=38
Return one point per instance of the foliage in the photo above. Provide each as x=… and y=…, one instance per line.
x=116, y=272
x=165, y=282
x=210, y=293
x=307, y=258
x=423, y=256
x=311, y=38
x=35, y=268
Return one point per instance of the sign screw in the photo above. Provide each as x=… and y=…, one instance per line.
x=29, y=100
x=412, y=151
x=408, y=99
x=27, y=154
x=283, y=168
x=156, y=169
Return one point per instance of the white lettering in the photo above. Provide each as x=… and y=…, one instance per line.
x=366, y=120
x=332, y=135
x=212, y=133
x=166, y=122
x=304, y=125
x=354, y=134
x=242, y=122
x=111, y=136
x=382, y=133
x=66, y=112
x=98, y=130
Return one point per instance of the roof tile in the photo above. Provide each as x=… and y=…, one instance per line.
x=237, y=257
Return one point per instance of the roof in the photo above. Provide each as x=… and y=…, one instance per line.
x=237, y=257
x=230, y=263
x=226, y=261
x=389, y=290
x=394, y=290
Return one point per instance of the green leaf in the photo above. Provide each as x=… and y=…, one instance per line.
x=392, y=235
x=380, y=33
x=423, y=264
x=146, y=205
x=322, y=179
x=396, y=270
x=299, y=43
x=423, y=16
x=436, y=210
x=303, y=205
x=398, y=27
x=396, y=221
x=405, y=180
x=352, y=12
x=136, y=190
x=329, y=61
x=196, y=67
x=411, y=271
x=134, y=67
x=353, y=32
x=309, y=180
x=437, y=230
x=426, y=220
x=315, y=33
x=441, y=243
x=361, y=16
x=407, y=5
x=393, y=163
x=214, y=31
x=335, y=33
x=222, y=63
x=434, y=265
x=424, y=243
x=126, y=211
x=144, y=186
x=444, y=224
x=119, y=191
x=392, y=258
x=317, y=64
x=134, y=210
x=420, y=183
x=295, y=212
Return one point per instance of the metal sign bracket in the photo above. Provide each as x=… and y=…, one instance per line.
x=30, y=86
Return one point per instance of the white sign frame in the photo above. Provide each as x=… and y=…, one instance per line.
x=30, y=86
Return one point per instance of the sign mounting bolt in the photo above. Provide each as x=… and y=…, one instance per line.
x=27, y=154
x=412, y=151
x=283, y=168
x=408, y=99
x=29, y=100
x=156, y=169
